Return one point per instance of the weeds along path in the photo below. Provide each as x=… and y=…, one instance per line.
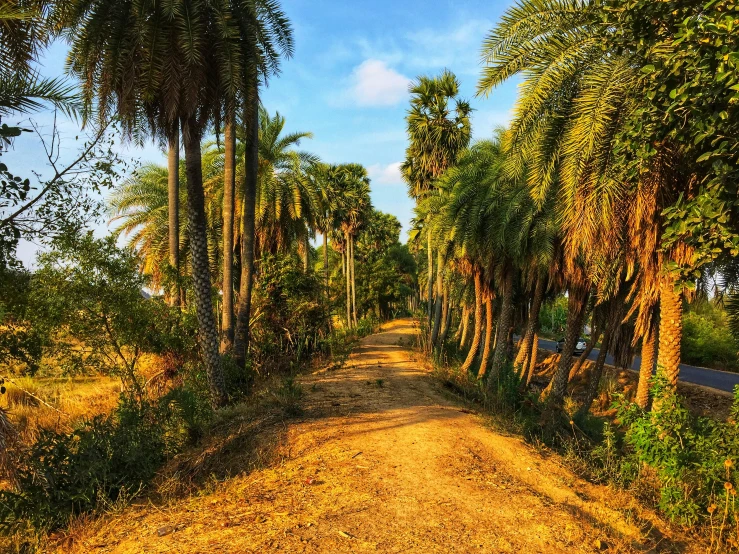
x=382, y=459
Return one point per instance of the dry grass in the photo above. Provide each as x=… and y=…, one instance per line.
x=56, y=404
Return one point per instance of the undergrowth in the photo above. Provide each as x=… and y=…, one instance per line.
x=110, y=459
x=682, y=464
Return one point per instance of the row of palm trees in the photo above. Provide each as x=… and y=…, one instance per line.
x=173, y=72
x=554, y=204
x=297, y=196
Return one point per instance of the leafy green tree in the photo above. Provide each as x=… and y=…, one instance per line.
x=89, y=294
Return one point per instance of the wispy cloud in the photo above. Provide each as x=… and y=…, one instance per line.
x=373, y=83
x=385, y=174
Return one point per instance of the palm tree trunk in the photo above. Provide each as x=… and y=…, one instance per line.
x=229, y=188
x=306, y=254
x=354, y=282
x=504, y=325
x=577, y=366
x=465, y=326
x=532, y=360
x=670, y=330
x=446, y=316
x=575, y=314
x=648, y=350
x=488, y=336
x=430, y=278
x=532, y=326
x=438, y=302
x=251, y=162
x=207, y=330
x=478, y=326
x=348, y=283
x=173, y=189
x=325, y=276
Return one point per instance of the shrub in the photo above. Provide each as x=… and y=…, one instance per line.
x=104, y=459
x=707, y=340
x=694, y=457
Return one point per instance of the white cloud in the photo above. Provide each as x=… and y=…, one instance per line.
x=385, y=174
x=373, y=83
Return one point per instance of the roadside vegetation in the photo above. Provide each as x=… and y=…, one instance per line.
x=609, y=202
x=147, y=369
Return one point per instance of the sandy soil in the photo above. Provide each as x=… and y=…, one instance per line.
x=384, y=460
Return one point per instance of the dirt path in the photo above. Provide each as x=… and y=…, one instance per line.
x=383, y=460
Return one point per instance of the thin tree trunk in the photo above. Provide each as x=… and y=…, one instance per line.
x=595, y=375
x=325, y=276
x=670, y=330
x=354, y=282
x=461, y=328
x=430, y=277
x=488, y=336
x=648, y=351
x=478, y=326
x=439, y=301
x=504, y=325
x=615, y=314
x=229, y=186
x=348, y=284
x=173, y=191
x=575, y=314
x=306, y=254
x=207, y=330
x=584, y=356
x=251, y=159
x=446, y=317
x=532, y=326
x=533, y=354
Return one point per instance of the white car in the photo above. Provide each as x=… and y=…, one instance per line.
x=580, y=346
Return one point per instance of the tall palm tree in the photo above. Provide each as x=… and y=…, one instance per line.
x=270, y=39
x=157, y=67
x=438, y=130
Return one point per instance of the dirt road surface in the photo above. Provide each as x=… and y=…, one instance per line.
x=384, y=460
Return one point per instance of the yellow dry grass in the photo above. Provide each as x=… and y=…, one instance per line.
x=56, y=404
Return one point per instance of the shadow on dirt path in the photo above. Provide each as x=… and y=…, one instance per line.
x=383, y=460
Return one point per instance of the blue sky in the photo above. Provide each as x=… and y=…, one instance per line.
x=347, y=84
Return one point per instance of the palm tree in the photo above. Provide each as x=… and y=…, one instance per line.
x=576, y=98
x=228, y=210
x=438, y=130
x=173, y=190
x=354, y=188
x=25, y=30
x=270, y=38
x=142, y=205
x=157, y=68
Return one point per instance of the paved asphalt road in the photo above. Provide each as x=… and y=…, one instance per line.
x=721, y=380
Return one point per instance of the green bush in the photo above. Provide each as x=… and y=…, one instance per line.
x=694, y=457
x=104, y=460
x=707, y=339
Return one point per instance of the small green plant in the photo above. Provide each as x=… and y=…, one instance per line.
x=380, y=382
x=288, y=397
